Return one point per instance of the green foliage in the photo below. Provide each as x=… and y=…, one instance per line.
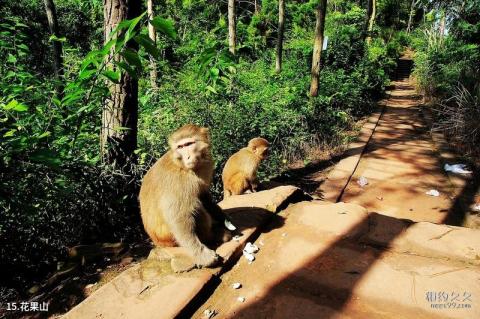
x=447, y=70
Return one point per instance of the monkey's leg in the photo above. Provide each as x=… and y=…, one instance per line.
x=220, y=219
x=254, y=184
x=240, y=185
x=183, y=229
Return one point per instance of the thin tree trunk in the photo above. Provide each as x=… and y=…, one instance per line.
x=317, y=47
x=281, y=28
x=257, y=6
x=410, y=16
x=441, y=26
x=153, y=35
x=120, y=112
x=57, y=45
x=232, y=36
x=372, y=9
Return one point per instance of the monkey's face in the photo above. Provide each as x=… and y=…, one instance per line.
x=262, y=152
x=191, y=152
x=260, y=147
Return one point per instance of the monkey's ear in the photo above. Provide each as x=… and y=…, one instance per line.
x=205, y=132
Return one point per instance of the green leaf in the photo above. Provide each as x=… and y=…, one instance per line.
x=10, y=133
x=130, y=32
x=112, y=75
x=211, y=89
x=20, y=107
x=164, y=26
x=11, y=58
x=53, y=37
x=132, y=58
x=86, y=74
x=148, y=45
x=44, y=134
x=124, y=66
x=15, y=106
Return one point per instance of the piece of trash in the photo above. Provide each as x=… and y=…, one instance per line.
x=284, y=234
x=433, y=192
x=237, y=237
x=76, y=278
x=241, y=299
x=362, y=181
x=250, y=248
x=476, y=208
x=250, y=257
x=209, y=313
x=379, y=197
x=90, y=286
x=236, y=285
x=457, y=168
x=229, y=225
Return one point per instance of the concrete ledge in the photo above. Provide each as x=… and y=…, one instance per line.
x=424, y=239
x=151, y=289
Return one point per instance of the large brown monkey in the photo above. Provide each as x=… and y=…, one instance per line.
x=175, y=200
x=240, y=172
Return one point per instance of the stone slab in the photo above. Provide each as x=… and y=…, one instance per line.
x=165, y=294
x=317, y=266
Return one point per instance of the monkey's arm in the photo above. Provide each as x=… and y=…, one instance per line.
x=214, y=210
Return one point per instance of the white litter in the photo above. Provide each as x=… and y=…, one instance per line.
x=457, y=168
x=90, y=286
x=362, y=181
x=236, y=285
x=209, y=313
x=250, y=248
x=284, y=234
x=433, y=192
x=250, y=257
x=241, y=299
x=476, y=208
x=229, y=225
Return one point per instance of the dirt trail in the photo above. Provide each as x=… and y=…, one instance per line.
x=347, y=261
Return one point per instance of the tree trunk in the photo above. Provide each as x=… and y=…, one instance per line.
x=153, y=35
x=232, y=36
x=317, y=47
x=57, y=45
x=410, y=16
x=281, y=28
x=371, y=11
x=441, y=26
x=120, y=112
x=257, y=7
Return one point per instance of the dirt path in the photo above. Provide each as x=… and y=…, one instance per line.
x=347, y=261
x=400, y=164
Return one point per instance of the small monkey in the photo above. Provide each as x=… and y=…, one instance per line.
x=240, y=172
x=175, y=201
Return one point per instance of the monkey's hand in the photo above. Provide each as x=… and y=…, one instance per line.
x=207, y=258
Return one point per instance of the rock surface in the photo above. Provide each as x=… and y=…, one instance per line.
x=151, y=289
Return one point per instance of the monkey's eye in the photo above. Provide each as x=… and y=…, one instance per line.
x=185, y=145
